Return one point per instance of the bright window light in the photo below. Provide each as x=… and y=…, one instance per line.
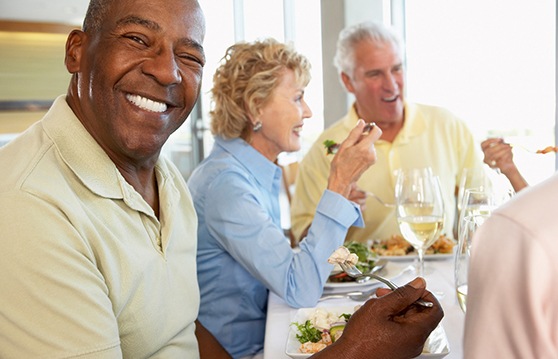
x=493, y=64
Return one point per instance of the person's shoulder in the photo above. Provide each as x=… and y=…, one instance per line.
x=534, y=206
x=22, y=155
x=213, y=167
x=432, y=111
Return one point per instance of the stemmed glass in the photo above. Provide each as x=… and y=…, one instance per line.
x=476, y=201
x=468, y=226
x=472, y=178
x=419, y=209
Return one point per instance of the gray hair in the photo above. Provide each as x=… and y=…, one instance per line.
x=353, y=35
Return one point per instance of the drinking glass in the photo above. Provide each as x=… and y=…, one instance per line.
x=469, y=225
x=476, y=201
x=472, y=178
x=419, y=209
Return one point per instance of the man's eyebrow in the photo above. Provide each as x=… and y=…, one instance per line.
x=193, y=44
x=138, y=21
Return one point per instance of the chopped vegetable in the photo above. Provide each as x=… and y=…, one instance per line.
x=308, y=333
x=331, y=147
x=359, y=249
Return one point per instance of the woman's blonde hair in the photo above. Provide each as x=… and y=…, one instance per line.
x=244, y=81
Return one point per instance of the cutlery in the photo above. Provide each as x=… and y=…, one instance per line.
x=544, y=150
x=354, y=272
x=391, y=205
x=378, y=266
x=356, y=296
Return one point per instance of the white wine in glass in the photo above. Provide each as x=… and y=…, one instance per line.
x=419, y=210
x=421, y=231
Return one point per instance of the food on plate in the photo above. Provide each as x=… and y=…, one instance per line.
x=548, y=149
x=332, y=146
x=343, y=255
x=352, y=253
x=443, y=245
x=396, y=245
x=322, y=328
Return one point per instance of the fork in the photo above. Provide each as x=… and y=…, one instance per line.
x=380, y=200
x=354, y=272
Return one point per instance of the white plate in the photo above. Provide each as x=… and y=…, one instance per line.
x=412, y=256
x=391, y=271
x=437, y=343
x=300, y=317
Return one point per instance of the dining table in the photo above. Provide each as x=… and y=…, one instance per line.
x=439, y=275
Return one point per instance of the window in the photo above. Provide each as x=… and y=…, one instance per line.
x=493, y=64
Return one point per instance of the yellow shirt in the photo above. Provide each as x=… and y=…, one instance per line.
x=86, y=267
x=431, y=136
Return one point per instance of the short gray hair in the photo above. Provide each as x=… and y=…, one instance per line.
x=353, y=35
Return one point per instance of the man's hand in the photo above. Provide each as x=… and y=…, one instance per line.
x=390, y=326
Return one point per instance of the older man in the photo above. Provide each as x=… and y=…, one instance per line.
x=369, y=59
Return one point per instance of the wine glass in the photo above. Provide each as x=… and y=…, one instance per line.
x=472, y=178
x=476, y=201
x=419, y=209
x=469, y=225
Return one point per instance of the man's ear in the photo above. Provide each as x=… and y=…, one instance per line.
x=74, y=50
x=347, y=82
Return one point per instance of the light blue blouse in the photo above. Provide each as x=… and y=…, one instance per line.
x=242, y=250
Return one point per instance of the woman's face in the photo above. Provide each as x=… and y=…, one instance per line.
x=282, y=119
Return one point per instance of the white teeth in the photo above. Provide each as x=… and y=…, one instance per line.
x=146, y=103
x=390, y=99
x=297, y=129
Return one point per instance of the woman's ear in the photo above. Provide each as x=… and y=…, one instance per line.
x=74, y=50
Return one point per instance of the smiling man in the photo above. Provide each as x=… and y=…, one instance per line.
x=369, y=60
x=97, y=232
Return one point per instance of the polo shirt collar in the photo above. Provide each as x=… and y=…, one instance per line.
x=88, y=160
x=413, y=126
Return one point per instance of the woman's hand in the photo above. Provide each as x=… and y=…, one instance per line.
x=353, y=157
x=498, y=154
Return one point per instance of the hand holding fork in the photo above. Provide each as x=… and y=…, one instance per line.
x=354, y=272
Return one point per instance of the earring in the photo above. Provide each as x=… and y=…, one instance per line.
x=257, y=126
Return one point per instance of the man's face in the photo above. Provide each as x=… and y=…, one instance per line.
x=139, y=76
x=377, y=82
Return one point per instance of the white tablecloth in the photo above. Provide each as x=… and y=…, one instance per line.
x=439, y=279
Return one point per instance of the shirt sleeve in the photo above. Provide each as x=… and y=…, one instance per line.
x=237, y=217
x=510, y=294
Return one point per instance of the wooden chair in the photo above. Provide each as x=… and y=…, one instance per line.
x=289, y=176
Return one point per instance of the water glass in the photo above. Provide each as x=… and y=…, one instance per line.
x=462, y=256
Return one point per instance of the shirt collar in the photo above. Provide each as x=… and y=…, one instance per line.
x=413, y=126
x=265, y=171
x=88, y=160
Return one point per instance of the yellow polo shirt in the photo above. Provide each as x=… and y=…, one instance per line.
x=86, y=267
x=431, y=136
